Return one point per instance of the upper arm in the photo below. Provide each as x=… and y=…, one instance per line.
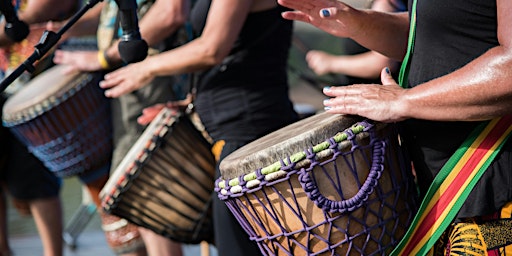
x=223, y=25
x=162, y=19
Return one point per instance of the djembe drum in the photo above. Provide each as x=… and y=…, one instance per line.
x=325, y=185
x=65, y=122
x=166, y=180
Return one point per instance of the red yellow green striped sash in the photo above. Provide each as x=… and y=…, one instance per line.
x=452, y=186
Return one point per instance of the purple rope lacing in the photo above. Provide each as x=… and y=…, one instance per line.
x=281, y=242
x=310, y=187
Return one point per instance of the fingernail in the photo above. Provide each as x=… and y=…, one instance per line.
x=327, y=88
x=327, y=108
x=387, y=71
x=326, y=101
x=326, y=13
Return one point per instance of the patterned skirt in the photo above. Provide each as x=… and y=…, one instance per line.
x=489, y=235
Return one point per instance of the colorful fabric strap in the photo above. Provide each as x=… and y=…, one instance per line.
x=456, y=179
x=452, y=186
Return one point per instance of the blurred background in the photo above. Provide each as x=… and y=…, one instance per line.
x=305, y=91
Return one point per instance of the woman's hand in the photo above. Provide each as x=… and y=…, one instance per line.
x=334, y=17
x=384, y=103
x=126, y=79
x=149, y=113
x=78, y=60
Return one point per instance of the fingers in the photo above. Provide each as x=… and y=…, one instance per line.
x=112, y=79
x=296, y=15
x=149, y=113
x=386, y=77
x=69, y=69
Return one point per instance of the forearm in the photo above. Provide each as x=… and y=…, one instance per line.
x=194, y=56
x=386, y=33
x=366, y=65
x=480, y=90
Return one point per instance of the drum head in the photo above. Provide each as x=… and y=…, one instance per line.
x=40, y=93
x=284, y=142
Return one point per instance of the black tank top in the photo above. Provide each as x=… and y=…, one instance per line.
x=449, y=34
x=247, y=95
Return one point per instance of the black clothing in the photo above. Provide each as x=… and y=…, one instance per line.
x=247, y=95
x=23, y=174
x=243, y=99
x=449, y=34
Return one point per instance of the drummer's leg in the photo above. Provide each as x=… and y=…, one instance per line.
x=159, y=245
x=48, y=218
x=36, y=188
x=5, y=250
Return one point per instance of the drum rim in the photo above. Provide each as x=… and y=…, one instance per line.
x=275, y=171
x=24, y=112
x=148, y=140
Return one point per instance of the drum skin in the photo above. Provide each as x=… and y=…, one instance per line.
x=326, y=185
x=64, y=119
x=166, y=180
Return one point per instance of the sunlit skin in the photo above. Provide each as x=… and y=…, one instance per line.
x=201, y=53
x=480, y=90
x=161, y=20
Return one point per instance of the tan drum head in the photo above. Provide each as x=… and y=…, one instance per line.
x=294, y=138
x=41, y=93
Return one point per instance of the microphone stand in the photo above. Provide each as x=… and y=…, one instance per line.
x=48, y=40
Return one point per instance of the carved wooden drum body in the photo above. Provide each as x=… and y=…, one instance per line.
x=326, y=185
x=166, y=180
x=65, y=120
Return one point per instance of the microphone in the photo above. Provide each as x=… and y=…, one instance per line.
x=132, y=47
x=15, y=29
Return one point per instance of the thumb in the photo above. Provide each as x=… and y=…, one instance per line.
x=386, y=78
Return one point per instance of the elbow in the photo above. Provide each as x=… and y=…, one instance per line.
x=176, y=20
x=212, y=56
x=175, y=17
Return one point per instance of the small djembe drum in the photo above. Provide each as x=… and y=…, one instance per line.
x=64, y=119
x=325, y=185
x=165, y=182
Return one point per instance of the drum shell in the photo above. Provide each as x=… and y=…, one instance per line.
x=281, y=216
x=165, y=182
x=69, y=130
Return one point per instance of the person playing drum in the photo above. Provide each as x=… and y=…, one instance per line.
x=242, y=94
x=33, y=188
x=159, y=22
x=454, y=102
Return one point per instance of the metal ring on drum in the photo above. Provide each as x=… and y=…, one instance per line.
x=325, y=185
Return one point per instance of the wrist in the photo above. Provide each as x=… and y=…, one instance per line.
x=104, y=61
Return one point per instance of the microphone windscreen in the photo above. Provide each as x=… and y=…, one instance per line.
x=17, y=31
x=133, y=50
